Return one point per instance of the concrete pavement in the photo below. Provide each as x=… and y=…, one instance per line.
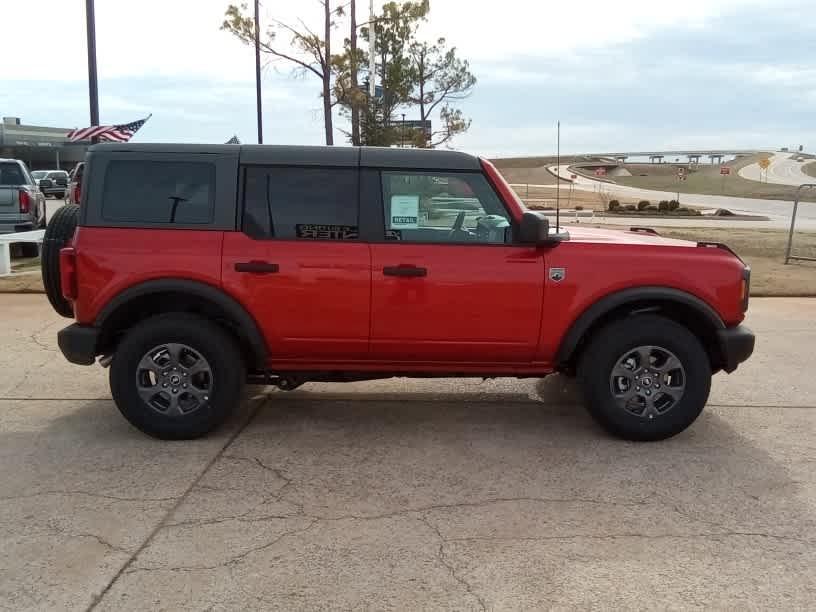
x=407, y=494
x=784, y=170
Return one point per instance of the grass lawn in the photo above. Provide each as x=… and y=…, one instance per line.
x=809, y=169
x=706, y=179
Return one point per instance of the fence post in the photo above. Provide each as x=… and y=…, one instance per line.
x=793, y=219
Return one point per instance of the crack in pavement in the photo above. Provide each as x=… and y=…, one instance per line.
x=114, y=498
x=252, y=412
x=452, y=570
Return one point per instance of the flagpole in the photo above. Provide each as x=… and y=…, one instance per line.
x=258, y=75
x=93, y=90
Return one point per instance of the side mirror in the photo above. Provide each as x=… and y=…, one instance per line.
x=534, y=229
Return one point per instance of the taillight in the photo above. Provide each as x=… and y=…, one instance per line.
x=75, y=197
x=25, y=201
x=68, y=275
x=745, y=288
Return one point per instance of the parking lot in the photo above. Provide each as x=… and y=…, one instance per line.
x=407, y=494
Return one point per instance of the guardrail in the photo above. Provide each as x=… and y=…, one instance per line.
x=788, y=255
x=35, y=236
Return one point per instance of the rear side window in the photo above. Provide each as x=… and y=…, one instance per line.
x=159, y=192
x=301, y=203
x=12, y=174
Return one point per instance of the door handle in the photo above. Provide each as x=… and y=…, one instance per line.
x=405, y=271
x=257, y=267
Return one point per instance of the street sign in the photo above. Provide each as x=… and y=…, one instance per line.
x=764, y=163
x=725, y=170
x=600, y=172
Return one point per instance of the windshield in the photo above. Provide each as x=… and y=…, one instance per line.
x=39, y=174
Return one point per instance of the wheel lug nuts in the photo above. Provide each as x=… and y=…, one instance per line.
x=648, y=393
x=184, y=385
x=175, y=390
x=185, y=374
x=164, y=385
x=636, y=388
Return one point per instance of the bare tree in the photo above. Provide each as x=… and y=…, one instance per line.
x=307, y=50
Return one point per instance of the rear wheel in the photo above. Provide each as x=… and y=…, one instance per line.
x=177, y=376
x=645, y=378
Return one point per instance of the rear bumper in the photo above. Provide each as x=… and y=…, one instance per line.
x=78, y=343
x=736, y=345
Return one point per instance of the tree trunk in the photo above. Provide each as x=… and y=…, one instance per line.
x=327, y=109
x=355, y=110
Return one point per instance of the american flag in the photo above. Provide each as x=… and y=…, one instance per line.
x=112, y=133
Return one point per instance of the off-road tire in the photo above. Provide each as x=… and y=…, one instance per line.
x=608, y=345
x=58, y=233
x=212, y=342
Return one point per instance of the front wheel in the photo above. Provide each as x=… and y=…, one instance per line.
x=645, y=377
x=177, y=376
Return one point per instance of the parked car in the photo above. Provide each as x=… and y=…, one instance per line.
x=199, y=268
x=22, y=204
x=75, y=184
x=52, y=182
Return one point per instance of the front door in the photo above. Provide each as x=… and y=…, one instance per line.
x=448, y=285
x=299, y=266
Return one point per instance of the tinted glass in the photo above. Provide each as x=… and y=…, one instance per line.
x=301, y=203
x=12, y=174
x=442, y=207
x=159, y=192
x=39, y=174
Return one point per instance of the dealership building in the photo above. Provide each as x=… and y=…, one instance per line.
x=40, y=147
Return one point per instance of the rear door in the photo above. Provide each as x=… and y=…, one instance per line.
x=298, y=263
x=448, y=284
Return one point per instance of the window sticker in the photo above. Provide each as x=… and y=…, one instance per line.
x=327, y=232
x=404, y=212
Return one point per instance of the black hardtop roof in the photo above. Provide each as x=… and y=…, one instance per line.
x=380, y=157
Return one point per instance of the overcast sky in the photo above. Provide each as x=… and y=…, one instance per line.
x=619, y=74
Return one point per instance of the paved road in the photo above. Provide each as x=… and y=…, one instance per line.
x=784, y=170
x=407, y=494
x=778, y=211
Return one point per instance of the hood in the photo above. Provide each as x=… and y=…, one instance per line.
x=613, y=236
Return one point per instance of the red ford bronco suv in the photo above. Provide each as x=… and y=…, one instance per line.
x=192, y=269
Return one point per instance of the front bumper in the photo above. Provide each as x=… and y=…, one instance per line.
x=736, y=345
x=78, y=343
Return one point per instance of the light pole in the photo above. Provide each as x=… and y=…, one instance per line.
x=93, y=90
x=258, y=75
x=402, y=132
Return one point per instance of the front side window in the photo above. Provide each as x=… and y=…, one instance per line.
x=443, y=207
x=159, y=192
x=289, y=203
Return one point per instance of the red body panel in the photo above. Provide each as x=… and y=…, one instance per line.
x=110, y=260
x=477, y=304
x=316, y=306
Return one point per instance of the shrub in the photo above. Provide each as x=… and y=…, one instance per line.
x=614, y=205
x=630, y=207
x=643, y=204
x=579, y=208
x=674, y=204
x=652, y=209
x=663, y=206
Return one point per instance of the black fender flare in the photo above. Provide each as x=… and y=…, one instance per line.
x=248, y=328
x=634, y=295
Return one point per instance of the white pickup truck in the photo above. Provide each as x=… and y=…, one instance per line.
x=22, y=204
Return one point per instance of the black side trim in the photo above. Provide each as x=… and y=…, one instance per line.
x=248, y=328
x=630, y=296
x=736, y=345
x=78, y=343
